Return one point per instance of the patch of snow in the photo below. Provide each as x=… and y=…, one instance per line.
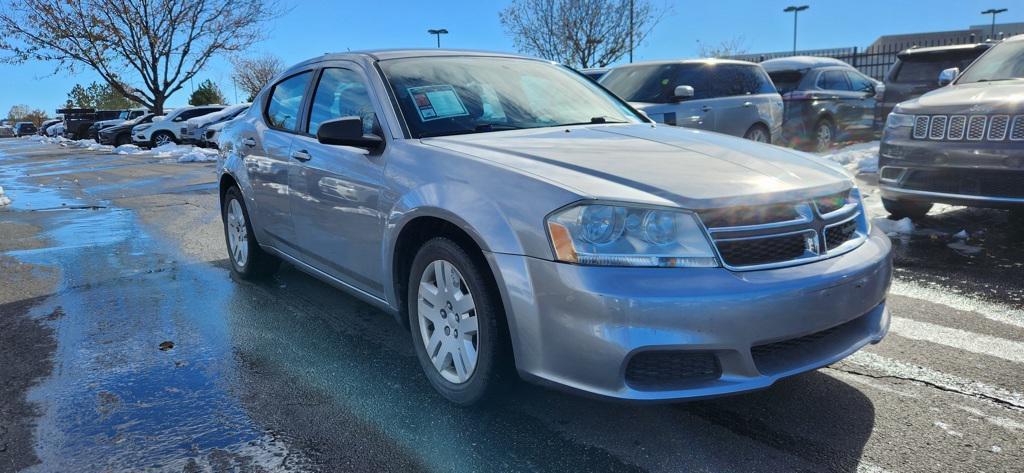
x=964, y=248
x=961, y=235
x=199, y=155
x=902, y=226
x=858, y=158
x=181, y=153
x=4, y=200
x=128, y=149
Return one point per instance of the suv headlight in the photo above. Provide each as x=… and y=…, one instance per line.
x=617, y=235
x=899, y=120
x=139, y=128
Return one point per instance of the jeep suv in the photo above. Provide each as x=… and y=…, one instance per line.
x=916, y=72
x=962, y=144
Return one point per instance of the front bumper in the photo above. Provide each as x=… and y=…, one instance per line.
x=979, y=173
x=579, y=327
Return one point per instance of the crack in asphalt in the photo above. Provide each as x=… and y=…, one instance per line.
x=1002, y=402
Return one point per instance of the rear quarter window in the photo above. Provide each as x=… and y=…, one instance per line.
x=729, y=80
x=786, y=81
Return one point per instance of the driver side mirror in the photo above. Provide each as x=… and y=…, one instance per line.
x=682, y=92
x=947, y=76
x=347, y=131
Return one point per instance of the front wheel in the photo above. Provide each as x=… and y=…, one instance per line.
x=457, y=324
x=248, y=260
x=161, y=138
x=905, y=208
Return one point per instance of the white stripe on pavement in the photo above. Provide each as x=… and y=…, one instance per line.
x=989, y=310
x=889, y=367
x=960, y=339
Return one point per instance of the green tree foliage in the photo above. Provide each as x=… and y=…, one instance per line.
x=207, y=94
x=98, y=96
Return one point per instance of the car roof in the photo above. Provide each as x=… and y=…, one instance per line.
x=801, y=62
x=687, y=61
x=940, y=49
x=388, y=54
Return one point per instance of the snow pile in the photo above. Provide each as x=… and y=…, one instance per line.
x=128, y=149
x=4, y=200
x=199, y=155
x=858, y=158
x=902, y=226
x=181, y=153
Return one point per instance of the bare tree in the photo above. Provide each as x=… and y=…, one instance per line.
x=579, y=33
x=252, y=73
x=145, y=49
x=727, y=48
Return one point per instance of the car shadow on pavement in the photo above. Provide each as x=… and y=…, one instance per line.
x=338, y=379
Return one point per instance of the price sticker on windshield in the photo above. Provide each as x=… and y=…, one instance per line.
x=437, y=101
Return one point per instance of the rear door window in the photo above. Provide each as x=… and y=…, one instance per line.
x=285, y=102
x=833, y=80
x=859, y=82
x=728, y=80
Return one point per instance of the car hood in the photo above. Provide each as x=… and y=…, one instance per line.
x=661, y=165
x=975, y=98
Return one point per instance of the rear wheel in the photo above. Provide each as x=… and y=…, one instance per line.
x=824, y=135
x=248, y=260
x=758, y=133
x=457, y=324
x=904, y=208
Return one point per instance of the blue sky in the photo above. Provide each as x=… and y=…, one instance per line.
x=313, y=27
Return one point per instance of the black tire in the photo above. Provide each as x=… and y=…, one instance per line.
x=818, y=143
x=752, y=134
x=258, y=264
x=494, y=369
x=904, y=208
x=154, y=139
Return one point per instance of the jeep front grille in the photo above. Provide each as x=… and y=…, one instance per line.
x=970, y=128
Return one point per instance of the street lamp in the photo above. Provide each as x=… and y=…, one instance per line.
x=796, y=10
x=993, y=12
x=438, y=33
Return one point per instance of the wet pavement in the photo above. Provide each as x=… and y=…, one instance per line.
x=126, y=345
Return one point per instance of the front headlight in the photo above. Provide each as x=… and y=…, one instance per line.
x=898, y=120
x=141, y=128
x=618, y=235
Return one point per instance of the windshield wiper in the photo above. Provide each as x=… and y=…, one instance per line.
x=998, y=80
x=484, y=128
x=595, y=120
x=495, y=127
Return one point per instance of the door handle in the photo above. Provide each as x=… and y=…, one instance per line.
x=705, y=109
x=250, y=142
x=301, y=155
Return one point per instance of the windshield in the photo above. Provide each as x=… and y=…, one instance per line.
x=456, y=95
x=1005, y=61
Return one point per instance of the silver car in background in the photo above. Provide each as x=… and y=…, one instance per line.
x=732, y=97
x=517, y=218
x=195, y=129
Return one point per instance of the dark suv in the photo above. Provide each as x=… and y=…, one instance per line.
x=916, y=71
x=962, y=144
x=25, y=128
x=826, y=101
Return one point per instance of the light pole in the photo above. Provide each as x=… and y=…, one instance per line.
x=631, y=31
x=438, y=33
x=796, y=10
x=993, y=12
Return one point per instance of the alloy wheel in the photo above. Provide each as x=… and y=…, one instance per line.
x=448, y=321
x=238, y=234
x=824, y=137
x=758, y=135
x=161, y=139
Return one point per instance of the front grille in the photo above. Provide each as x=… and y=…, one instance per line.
x=973, y=128
x=666, y=370
x=781, y=356
x=774, y=235
x=749, y=215
x=836, y=235
x=756, y=251
x=1017, y=130
x=964, y=182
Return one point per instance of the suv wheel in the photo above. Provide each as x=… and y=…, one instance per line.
x=758, y=133
x=248, y=260
x=457, y=323
x=161, y=138
x=904, y=208
x=824, y=135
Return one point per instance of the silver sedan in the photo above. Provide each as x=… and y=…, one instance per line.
x=520, y=221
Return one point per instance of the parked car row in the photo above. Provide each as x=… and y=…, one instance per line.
x=168, y=128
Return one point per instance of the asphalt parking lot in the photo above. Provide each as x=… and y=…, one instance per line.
x=126, y=345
